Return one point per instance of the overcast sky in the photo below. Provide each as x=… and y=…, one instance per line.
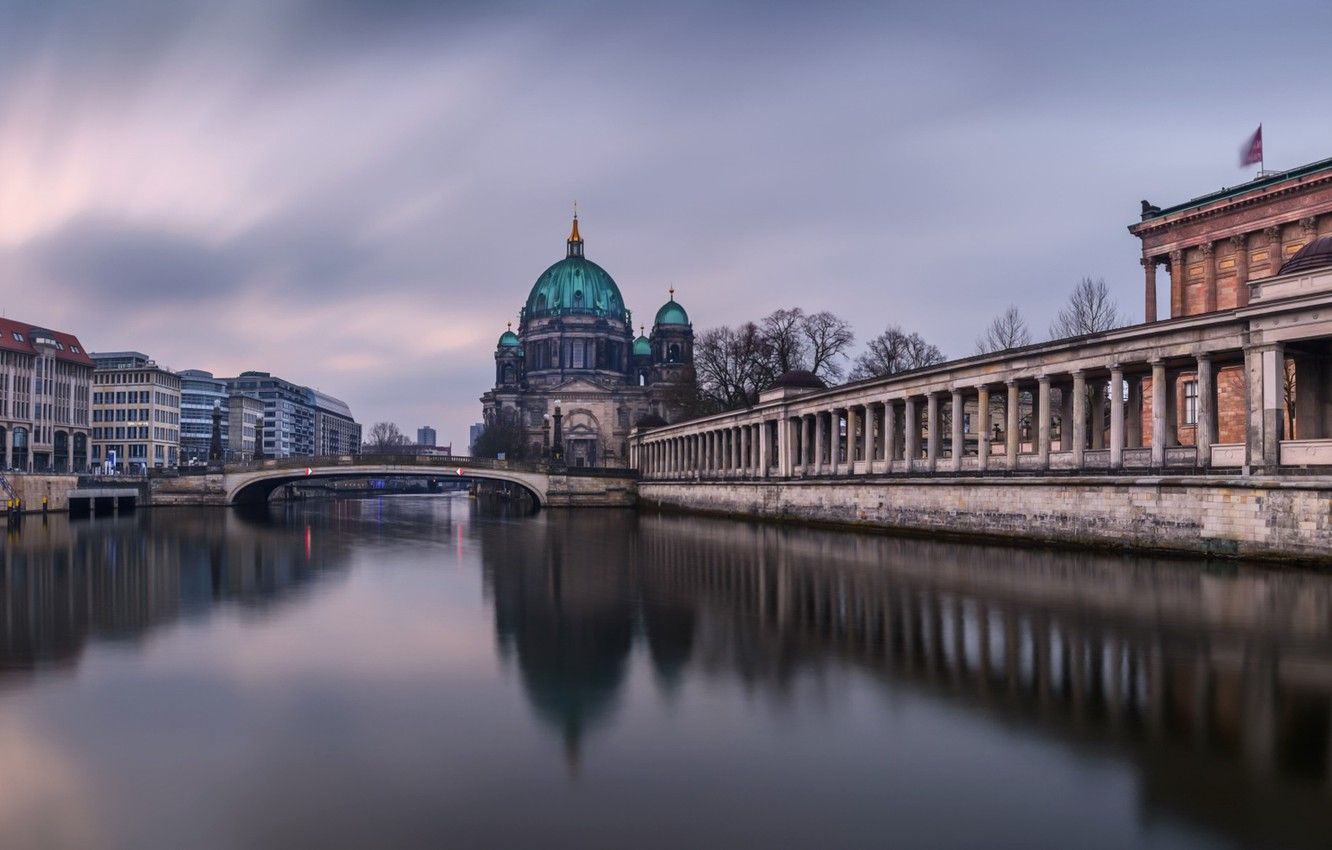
x=358, y=196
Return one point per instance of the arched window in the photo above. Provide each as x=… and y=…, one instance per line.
x=673, y=353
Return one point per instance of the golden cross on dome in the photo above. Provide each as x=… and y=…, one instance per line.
x=672, y=292
x=509, y=325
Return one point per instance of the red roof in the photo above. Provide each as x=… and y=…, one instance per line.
x=73, y=350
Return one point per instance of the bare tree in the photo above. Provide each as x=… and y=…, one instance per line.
x=895, y=351
x=784, y=332
x=828, y=338
x=1008, y=330
x=732, y=365
x=385, y=435
x=503, y=435
x=1090, y=309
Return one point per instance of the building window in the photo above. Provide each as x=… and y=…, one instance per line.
x=1190, y=402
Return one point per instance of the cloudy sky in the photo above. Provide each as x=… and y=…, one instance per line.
x=358, y=196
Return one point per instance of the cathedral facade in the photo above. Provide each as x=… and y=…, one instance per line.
x=575, y=360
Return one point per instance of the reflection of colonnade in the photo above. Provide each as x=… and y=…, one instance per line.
x=1233, y=669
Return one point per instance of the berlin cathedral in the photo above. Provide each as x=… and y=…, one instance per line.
x=575, y=358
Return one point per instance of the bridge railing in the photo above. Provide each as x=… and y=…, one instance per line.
x=388, y=459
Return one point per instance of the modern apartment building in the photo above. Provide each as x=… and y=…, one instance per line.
x=200, y=392
x=135, y=412
x=45, y=387
x=426, y=436
x=288, y=414
x=336, y=432
x=244, y=413
x=298, y=421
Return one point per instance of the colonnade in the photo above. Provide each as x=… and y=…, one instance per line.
x=1125, y=415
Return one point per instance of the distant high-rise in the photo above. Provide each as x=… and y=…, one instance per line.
x=426, y=436
x=473, y=434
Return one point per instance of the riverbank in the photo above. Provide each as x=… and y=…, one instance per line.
x=1253, y=517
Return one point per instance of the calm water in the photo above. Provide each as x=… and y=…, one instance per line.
x=411, y=672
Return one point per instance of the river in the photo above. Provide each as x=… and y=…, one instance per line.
x=421, y=672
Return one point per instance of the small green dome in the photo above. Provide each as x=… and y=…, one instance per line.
x=671, y=313
x=509, y=339
x=643, y=346
x=575, y=285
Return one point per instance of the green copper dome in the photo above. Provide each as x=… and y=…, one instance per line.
x=671, y=313
x=575, y=285
x=643, y=346
x=508, y=339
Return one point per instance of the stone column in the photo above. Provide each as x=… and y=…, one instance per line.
x=911, y=433
x=1116, y=417
x=959, y=441
x=1274, y=253
x=1012, y=431
x=764, y=449
x=818, y=443
x=1079, y=417
x=834, y=441
x=745, y=448
x=806, y=443
x=983, y=427
x=1097, y=396
x=1043, y=421
x=1209, y=276
x=1065, y=419
x=852, y=423
x=1149, y=291
x=1178, y=280
x=1205, y=433
x=932, y=440
x=1159, y=407
x=1264, y=390
x=889, y=434
x=1133, y=414
x=871, y=444
x=1240, y=243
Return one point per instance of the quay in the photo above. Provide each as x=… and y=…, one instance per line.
x=1209, y=432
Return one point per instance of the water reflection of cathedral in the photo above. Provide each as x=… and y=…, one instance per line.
x=1218, y=684
x=1215, y=684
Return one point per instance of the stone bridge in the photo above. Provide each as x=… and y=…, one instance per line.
x=256, y=482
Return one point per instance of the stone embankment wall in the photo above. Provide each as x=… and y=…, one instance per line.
x=189, y=490
x=1258, y=517
x=600, y=491
x=32, y=487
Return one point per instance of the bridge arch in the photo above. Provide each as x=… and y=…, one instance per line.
x=256, y=485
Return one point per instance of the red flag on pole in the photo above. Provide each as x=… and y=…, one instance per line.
x=1253, y=149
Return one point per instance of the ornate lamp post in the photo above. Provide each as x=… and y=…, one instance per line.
x=215, y=444
x=557, y=441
